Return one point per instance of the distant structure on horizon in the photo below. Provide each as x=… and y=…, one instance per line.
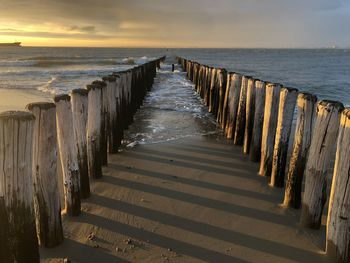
x=14, y=44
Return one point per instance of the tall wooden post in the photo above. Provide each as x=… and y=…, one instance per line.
x=79, y=101
x=288, y=97
x=68, y=155
x=323, y=140
x=249, y=119
x=93, y=132
x=241, y=113
x=104, y=121
x=47, y=205
x=255, y=145
x=269, y=128
x=232, y=95
x=338, y=222
x=18, y=239
x=302, y=139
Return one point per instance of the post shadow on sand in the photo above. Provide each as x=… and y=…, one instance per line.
x=157, y=240
x=239, y=171
x=74, y=250
x=227, y=235
x=202, y=201
x=196, y=183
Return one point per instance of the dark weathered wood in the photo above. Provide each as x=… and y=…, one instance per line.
x=322, y=143
x=249, y=118
x=302, y=139
x=288, y=97
x=255, y=145
x=338, y=223
x=241, y=113
x=222, y=78
x=79, y=101
x=18, y=239
x=68, y=155
x=232, y=96
x=47, y=205
x=94, y=131
x=269, y=128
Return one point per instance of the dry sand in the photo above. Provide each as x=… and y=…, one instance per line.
x=16, y=99
x=192, y=200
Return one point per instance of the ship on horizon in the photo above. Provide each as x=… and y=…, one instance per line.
x=13, y=44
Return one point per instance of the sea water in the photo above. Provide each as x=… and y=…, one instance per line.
x=172, y=109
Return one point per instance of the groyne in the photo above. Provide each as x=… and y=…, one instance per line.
x=79, y=129
x=258, y=116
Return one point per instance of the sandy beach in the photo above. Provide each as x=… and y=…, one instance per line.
x=16, y=99
x=191, y=200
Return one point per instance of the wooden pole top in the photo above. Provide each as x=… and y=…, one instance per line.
x=289, y=89
x=99, y=83
x=307, y=96
x=336, y=104
x=109, y=78
x=93, y=87
x=17, y=115
x=41, y=105
x=60, y=97
x=83, y=92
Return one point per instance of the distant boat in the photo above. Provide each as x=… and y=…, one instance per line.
x=14, y=44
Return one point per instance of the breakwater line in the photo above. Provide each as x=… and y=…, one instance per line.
x=258, y=115
x=80, y=128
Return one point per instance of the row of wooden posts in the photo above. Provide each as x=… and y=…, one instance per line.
x=258, y=115
x=82, y=127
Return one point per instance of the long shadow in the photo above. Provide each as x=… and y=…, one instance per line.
x=230, y=154
x=158, y=240
x=191, y=158
x=202, y=201
x=76, y=251
x=237, y=170
x=256, y=243
x=197, y=183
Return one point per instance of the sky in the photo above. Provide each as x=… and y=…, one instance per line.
x=177, y=23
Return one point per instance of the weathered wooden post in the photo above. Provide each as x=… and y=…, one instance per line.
x=93, y=132
x=269, y=128
x=47, y=205
x=323, y=139
x=18, y=237
x=302, y=139
x=250, y=109
x=222, y=78
x=288, y=97
x=241, y=113
x=232, y=94
x=255, y=145
x=68, y=155
x=104, y=121
x=338, y=221
x=112, y=106
x=79, y=101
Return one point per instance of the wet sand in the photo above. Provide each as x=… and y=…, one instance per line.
x=190, y=200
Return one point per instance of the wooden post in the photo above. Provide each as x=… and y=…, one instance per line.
x=323, y=139
x=68, y=155
x=112, y=106
x=93, y=131
x=80, y=111
x=222, y=78
x=302, y=138
x=241, y=113
x=255, y=145
x=18, y=237
x=104, y=121
x=250, y=109
x=269, y=128
x=338, y=221
x=288, y=97
x=47, y=205
x=232, y=96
